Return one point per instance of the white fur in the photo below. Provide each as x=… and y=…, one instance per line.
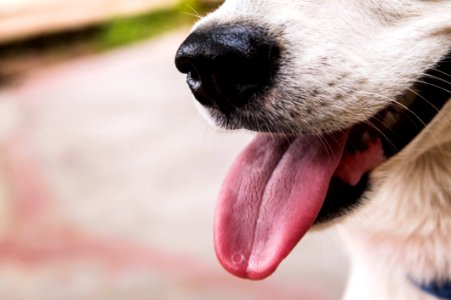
x=342, y=60
x=347, y=60
x=404, y=227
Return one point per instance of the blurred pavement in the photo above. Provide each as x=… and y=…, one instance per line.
x=108, y=181
x=24, y=18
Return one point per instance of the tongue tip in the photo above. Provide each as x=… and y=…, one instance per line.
x=244, y=267
x=245, y=271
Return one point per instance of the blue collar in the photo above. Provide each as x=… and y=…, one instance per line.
x=438, y=289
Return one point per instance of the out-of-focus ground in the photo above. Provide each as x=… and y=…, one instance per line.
x=25, y=18
x=108, y=181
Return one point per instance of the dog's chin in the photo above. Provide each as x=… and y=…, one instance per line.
x=394, y=127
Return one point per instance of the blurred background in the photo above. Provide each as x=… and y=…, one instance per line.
x=108, y=175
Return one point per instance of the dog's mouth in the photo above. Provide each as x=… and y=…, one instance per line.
x=279, y=186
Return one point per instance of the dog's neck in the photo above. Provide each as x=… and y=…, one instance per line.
x=406, y=220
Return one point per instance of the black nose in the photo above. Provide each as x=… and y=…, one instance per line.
x=228, y=66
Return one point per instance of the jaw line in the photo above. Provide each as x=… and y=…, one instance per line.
x=434, y=86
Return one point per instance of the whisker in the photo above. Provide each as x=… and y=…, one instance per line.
x=194, y=13
x=434, y=85
x=392, y=145
x=327, y=146
x=190, y=14
x=426, y=100
x=408, y=110
x=440, y=71
x=437, y=78
x=401, y=105
x=382, y=122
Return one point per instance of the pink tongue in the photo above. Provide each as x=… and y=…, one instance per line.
x=270, y=198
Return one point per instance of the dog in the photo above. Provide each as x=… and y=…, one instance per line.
x=350, y=102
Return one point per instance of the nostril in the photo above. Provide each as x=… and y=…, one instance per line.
x=194, y=81
x=194, y=70
x=183, y=62
x=184, y=67
x=192, y=74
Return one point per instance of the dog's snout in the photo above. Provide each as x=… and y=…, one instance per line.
x=227, y=66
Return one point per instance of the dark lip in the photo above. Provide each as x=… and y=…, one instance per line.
x=433, y=92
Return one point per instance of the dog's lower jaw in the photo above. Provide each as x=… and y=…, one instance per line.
x=402, y=230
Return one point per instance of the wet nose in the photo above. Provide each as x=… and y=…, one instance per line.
x=228, y=66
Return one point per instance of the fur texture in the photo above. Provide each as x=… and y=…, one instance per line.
x=403, y=228
x=342, y=62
